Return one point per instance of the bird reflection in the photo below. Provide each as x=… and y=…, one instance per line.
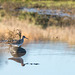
x=17, y=52
x=17, y=59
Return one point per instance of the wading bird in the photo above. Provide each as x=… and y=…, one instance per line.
x=18, y=43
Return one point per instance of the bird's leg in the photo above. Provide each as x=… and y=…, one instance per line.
x=20, y=46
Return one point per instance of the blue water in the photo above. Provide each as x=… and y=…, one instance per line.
x=48, y=12
x=53, y=58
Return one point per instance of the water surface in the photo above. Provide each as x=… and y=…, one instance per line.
x=52, y=58
x=60, y=13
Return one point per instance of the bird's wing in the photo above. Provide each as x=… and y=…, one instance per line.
x=19, y=41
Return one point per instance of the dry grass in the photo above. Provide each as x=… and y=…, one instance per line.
x=8, y=27
x=66, y=34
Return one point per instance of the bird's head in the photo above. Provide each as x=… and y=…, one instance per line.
x=25, y=37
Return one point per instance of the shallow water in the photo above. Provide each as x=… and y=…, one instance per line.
x=49, y=12
x=49, y=58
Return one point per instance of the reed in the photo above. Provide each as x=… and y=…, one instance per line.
x=8, y=30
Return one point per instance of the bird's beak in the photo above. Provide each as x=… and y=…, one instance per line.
x=26, y=38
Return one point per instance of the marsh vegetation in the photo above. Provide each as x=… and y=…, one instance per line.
x=37, y=26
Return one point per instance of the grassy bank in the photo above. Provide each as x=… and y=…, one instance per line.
x=39, y=3
x=43, y=20
x=52, y=4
